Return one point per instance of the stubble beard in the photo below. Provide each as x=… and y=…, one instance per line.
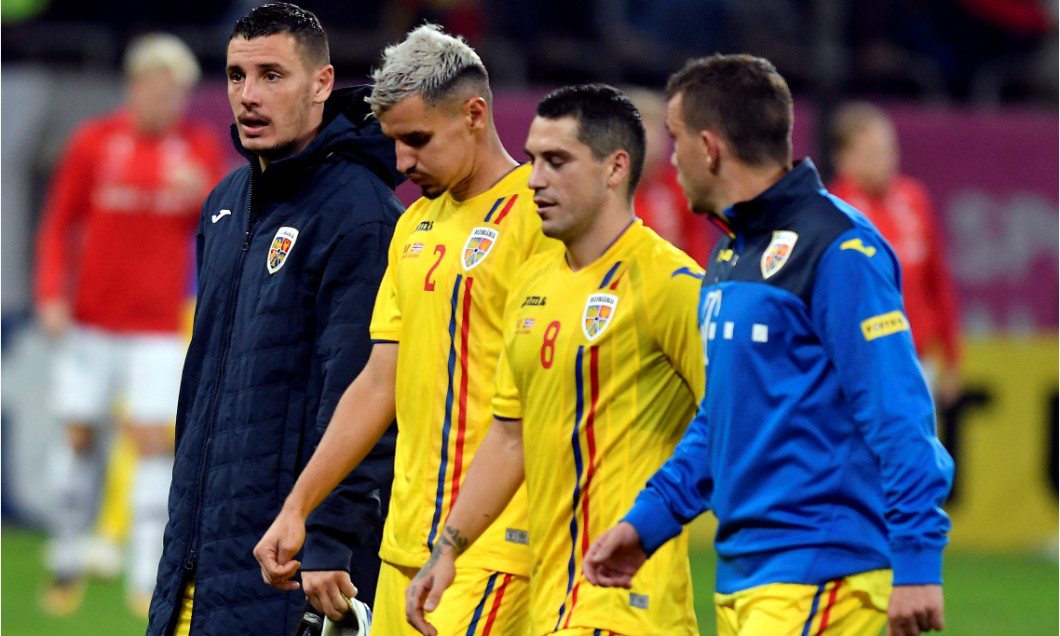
x=284, y=148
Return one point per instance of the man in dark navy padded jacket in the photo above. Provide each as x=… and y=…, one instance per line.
x=290, y=252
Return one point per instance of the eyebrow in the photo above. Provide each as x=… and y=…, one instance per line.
x=558, y=153
x=418, y=133
x=267, y=66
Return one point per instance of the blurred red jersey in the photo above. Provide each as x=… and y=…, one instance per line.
x=116, y=239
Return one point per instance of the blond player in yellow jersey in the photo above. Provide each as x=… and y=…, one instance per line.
x=437, y=333
x=601, y=373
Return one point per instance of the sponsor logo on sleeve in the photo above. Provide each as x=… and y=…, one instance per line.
x=856, y=244
x=281, y=247
x=884, y=325
x=514, y=535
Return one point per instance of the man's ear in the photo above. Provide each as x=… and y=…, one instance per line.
x=618, y=166
x=711, y=145
x=323, y=82
x=476, y=112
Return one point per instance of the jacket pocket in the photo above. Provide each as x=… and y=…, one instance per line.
x=294, y=443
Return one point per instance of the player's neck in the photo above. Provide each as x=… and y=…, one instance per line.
x=746, y=182
x=492, y=163
x=606, y=229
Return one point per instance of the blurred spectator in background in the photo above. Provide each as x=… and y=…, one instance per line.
x=113, y=256
x=866, y=156
x=659, y=200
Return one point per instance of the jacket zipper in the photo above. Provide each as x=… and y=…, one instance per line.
x=233, y=295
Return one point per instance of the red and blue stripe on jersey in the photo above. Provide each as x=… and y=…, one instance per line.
x=585, y=461
x=453, y=441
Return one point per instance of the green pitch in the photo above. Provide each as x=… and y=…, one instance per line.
x=985, y=594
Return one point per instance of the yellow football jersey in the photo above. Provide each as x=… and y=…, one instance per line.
x=605, y=368
x=442, y=297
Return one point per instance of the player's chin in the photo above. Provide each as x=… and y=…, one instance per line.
x=552, y=230
x=254, y=143
x=431, y=191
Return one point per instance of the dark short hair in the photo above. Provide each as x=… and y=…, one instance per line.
x=284, y=17
x=741, y=97
x=607, y=121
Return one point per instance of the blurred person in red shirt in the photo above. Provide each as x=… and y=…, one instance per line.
x=113, y=257
x=659, y=200
x=866, y=157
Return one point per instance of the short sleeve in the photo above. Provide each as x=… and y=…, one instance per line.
x=386, y=316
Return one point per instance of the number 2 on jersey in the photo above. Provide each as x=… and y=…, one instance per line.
x=428, y=284
x=548, y=345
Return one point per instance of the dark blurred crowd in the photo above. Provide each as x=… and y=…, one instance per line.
x=947, y=50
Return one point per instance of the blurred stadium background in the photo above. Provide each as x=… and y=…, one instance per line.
x=972, y=86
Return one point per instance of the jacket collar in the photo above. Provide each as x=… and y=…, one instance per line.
x=775, y=204
x=348, y=129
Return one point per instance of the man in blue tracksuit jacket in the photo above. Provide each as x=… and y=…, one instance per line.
x=815, y=443
x=290, y=251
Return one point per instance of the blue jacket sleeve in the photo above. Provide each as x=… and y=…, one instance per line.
x=678, y=492
x=858, y=313
x=353, y=513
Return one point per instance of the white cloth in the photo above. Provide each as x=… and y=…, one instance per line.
x=95, y=368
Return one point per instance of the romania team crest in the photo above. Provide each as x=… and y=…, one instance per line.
x=280, y=248
x=778, y=252
x=599, y=310
x=478, y=246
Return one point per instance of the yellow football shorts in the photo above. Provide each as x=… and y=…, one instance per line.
x=183, y=626
x=478, y=603
x=852, y=606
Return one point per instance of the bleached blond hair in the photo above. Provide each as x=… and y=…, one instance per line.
x=161, y=51
x=429, y=63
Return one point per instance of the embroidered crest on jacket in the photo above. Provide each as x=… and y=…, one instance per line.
x=778, y=252
x=280, y=248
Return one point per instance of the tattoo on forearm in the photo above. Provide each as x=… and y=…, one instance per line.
x=452, y=537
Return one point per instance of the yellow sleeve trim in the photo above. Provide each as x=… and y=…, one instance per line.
x=884, y=325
